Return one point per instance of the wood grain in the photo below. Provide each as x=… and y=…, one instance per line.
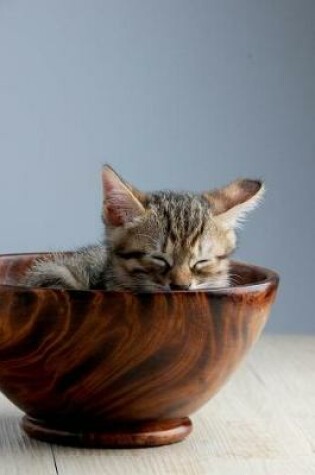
x=261, y=423
x=94, y=361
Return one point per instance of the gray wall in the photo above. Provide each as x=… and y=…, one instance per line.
x=174, y=94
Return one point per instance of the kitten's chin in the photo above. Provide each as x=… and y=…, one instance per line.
x=121, y=283
x=151, y=287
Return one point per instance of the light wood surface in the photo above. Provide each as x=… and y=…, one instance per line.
x=261, y=423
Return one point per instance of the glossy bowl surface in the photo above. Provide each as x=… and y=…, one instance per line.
x=98, y=368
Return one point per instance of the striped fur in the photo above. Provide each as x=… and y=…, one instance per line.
x=155, y=241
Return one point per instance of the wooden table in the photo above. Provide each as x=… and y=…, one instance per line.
x=261, y=423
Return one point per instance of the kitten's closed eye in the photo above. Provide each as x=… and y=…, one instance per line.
x=201, y=264
x=160, y=261
x=205, y=265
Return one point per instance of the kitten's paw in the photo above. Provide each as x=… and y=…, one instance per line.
x=47, y=273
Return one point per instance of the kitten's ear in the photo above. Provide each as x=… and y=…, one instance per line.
x=121, y=202
x=231, y=203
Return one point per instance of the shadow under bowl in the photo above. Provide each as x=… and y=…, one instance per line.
x=115, y=369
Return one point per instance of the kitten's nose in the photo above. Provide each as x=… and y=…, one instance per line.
x=179, y=286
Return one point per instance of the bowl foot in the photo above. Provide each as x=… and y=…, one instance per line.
x=146, y=434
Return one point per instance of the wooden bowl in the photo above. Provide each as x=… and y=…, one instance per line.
x=115, y=369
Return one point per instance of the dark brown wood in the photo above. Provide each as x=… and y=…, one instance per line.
x=84, y=361
x=145, y=434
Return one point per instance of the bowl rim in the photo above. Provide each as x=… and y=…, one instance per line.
x=270, y=279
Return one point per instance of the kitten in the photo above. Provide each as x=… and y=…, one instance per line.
x=155, y=241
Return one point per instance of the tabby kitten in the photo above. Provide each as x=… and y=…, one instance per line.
x=155, y=241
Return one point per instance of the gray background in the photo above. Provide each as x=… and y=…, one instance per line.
x=174, y=94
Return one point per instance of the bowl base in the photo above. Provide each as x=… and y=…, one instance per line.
x=146, y=434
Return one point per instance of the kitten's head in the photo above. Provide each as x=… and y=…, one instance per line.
x=165, y=240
